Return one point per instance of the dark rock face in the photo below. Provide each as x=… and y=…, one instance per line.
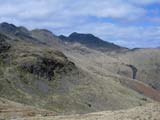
x=47, y=67
x=4, y=45
x=7, y=28
x=128, y=70
x=134, y=70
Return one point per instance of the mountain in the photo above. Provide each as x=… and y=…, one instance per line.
x=17, y=33
x=43, y=36
x=41, y=76
x=39, y=69
x=91, y=41
x=13, y=30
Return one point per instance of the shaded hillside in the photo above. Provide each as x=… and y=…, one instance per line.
x=30, y=73
x=128, y=67
x=92, y=42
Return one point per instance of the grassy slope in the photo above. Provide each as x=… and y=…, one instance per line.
x=68, y=91
x=147, y=112
x=116, y=67
x=12, y=110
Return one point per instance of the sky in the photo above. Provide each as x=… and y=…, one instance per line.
x=129, y=23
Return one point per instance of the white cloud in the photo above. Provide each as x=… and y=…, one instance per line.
x=107, y=8
x=42, y=8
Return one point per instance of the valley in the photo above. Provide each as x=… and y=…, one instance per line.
x=56, y=76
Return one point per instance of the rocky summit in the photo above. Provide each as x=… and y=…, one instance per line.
x=92, y=42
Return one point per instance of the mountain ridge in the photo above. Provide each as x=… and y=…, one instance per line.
x=88, y=40
x=92, y=42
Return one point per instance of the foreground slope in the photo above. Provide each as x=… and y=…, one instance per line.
x=148, y=112
x=11, y=110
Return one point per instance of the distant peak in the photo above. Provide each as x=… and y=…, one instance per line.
x=81, y=34
x=45, y=31
x=74, y=33
x=91, y=41
x=62, y=36
x=23, y=30
x=5, y=24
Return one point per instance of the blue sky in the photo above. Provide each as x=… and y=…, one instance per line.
x=130, y=23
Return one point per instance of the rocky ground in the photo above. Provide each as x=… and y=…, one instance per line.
x=15, y=111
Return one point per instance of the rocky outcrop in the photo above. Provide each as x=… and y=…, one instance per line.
x=134, y=71
x=47, y=67
x=4, y=45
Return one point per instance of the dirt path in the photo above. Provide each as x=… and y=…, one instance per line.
x=148, y=112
